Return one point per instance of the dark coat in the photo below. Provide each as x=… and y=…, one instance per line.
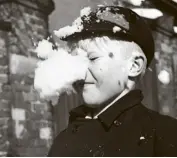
x=127, y=128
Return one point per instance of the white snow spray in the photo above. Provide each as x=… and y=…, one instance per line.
x=58, y=71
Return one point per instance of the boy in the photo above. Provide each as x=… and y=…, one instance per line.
x=113, y=122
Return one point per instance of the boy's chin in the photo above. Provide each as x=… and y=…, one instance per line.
x=97, y=103
x=92, y=104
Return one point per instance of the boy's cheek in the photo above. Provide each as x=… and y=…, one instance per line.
x=82, y=53
x=74, y=53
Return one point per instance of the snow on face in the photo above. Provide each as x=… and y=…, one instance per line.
x=58, y=72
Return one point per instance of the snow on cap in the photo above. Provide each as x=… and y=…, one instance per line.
x=85, y=12
x=113, y=21
x=77, y=25
x=116, y=29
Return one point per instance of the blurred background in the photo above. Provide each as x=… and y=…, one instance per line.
x=28, y=125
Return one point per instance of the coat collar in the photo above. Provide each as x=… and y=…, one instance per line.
x=123, y=104
x=108, y=117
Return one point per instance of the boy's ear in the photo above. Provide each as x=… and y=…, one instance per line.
x=136, y=65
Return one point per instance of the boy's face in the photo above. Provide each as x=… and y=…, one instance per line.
x=107, y=73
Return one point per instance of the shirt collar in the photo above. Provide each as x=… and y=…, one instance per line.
x=108, y=116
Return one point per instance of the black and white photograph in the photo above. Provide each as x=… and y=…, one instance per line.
x=88, y=78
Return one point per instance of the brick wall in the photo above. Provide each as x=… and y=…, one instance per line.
x=166, y=53
x=26, y=122
x=5, y=96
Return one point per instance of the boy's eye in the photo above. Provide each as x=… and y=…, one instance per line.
x=94, y=58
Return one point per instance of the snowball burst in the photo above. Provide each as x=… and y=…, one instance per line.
x=58, y=72
x=44, y=49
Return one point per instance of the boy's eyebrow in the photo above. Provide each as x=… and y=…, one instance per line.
x=90, y=53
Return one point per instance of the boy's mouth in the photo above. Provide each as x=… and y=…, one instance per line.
x=88, y=83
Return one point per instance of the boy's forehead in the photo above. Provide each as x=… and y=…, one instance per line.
x=87, y=46
x=101, y=46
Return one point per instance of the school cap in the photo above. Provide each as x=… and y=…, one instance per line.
x=113, y=21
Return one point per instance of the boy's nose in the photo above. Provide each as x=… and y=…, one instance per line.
x=89, y=78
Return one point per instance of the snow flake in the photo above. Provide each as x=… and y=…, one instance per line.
x=142, y=138
x=116, y=29
x=136, y=2
x=98, y=20
x=45, y=133
x=164, y=77
x=175, y=29
x=100, y=5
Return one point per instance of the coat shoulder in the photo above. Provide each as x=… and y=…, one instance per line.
x=162, y=121
x=165, y=122
x=165, y=128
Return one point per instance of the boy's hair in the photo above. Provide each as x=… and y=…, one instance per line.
x=108, y=44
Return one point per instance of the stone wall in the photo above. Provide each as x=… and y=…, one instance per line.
x=26, y=122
